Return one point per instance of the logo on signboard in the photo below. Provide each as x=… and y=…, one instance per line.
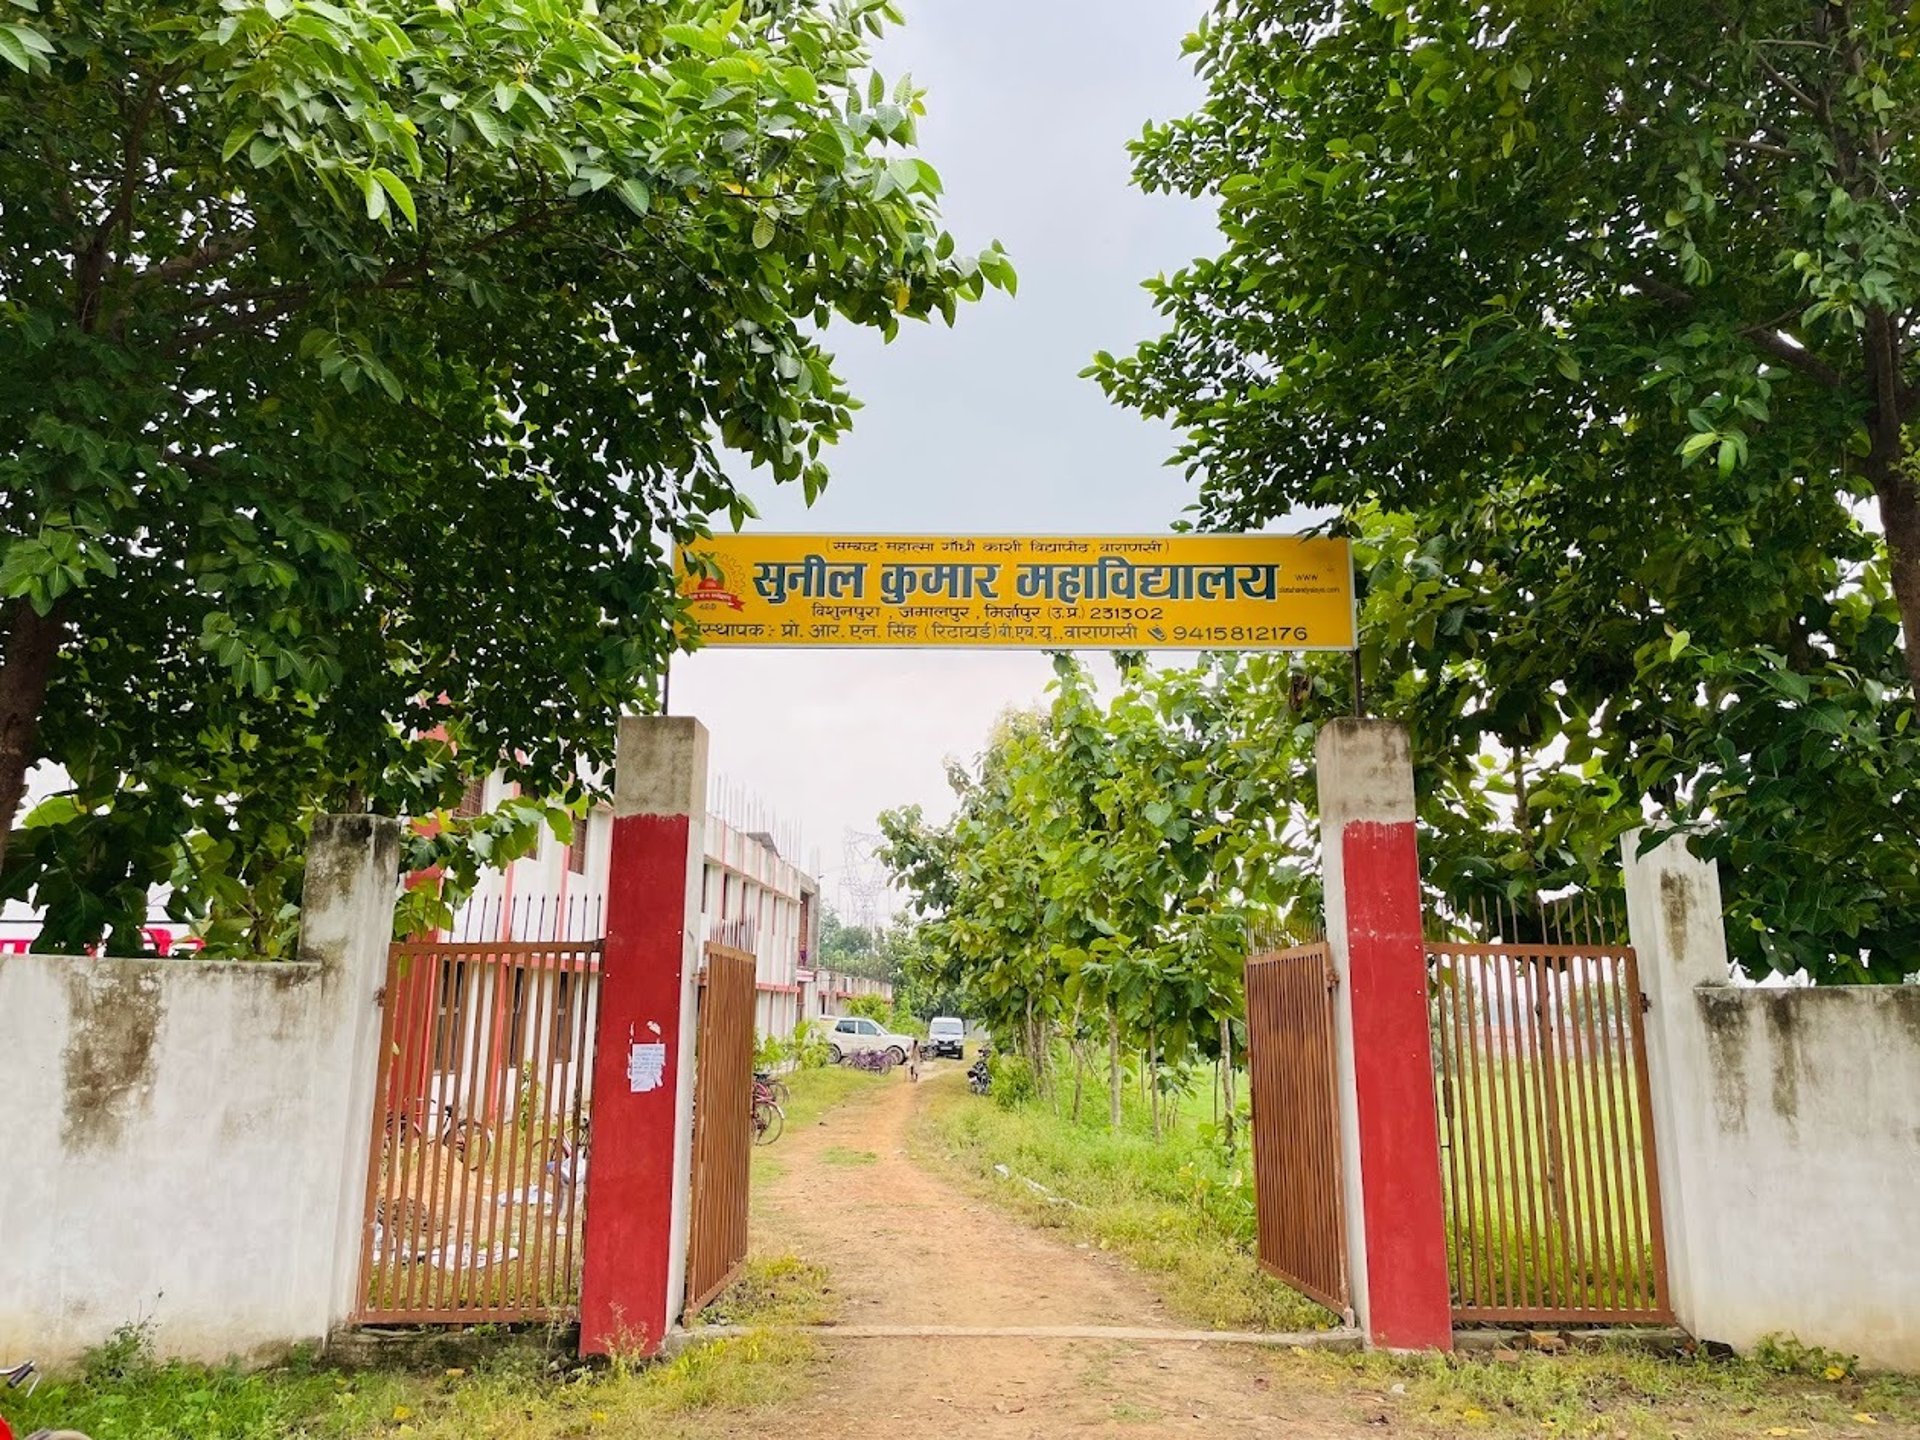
x=711, y=590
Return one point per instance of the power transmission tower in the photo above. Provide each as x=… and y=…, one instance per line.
x=864, y=879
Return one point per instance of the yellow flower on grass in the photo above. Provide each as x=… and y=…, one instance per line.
x=1834, y=1372
x=402, y=1412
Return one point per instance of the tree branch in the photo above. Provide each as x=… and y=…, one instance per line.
x=1807, y=102
x=1766, y=337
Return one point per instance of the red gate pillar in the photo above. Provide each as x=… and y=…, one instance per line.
x=638, y=1185
x=1396, y=1229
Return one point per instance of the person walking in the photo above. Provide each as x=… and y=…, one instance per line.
x=913, y=1061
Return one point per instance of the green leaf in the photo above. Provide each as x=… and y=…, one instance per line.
x=375, y=195
x=799, y=84
x=764, y=230
x=635, y=194
x=398, y=192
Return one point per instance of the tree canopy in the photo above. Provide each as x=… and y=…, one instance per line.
x=1598, y=313
x=359, y=363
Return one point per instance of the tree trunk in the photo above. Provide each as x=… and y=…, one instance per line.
x=1900, y=515
x=1226, y=1073
x=1888, y=468
x=33, y=641
x=1153, y=1081
x=1113, y=1065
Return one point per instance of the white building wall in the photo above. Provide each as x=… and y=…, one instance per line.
x=751, y=896
x=185, y=1141
x=1787, y=1126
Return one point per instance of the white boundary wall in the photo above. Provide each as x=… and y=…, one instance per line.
x=185, y=1142
x=1787, y=1122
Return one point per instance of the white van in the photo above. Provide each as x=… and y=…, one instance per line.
x=947, y=1036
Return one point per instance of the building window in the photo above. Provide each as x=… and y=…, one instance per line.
x=577, y=848
x=474, y=801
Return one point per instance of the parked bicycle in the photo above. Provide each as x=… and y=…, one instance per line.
x=28, y=1374
x=769, y=1116
x=468, y=1139
x=565, y=1155
x=878, y=1062
x=776, y=1087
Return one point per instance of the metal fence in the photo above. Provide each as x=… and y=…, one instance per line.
x=1296, y=1122
x=1553, y=1198
x=481, y=1132
x=722, y=1125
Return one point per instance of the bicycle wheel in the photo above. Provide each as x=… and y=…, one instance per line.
x=778, y=1092
x=472, y=1143
x=768, y=1121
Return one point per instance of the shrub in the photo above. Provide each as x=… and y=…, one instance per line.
x=1012, y=1080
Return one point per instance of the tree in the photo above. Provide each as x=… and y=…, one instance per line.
x=1609, y=308
x=359, y=361
x=1635, y=259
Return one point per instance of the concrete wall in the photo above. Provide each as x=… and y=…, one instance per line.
x=185, y=1142
x=1787, y=1123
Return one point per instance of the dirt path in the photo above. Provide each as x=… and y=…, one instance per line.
x=905, y=1247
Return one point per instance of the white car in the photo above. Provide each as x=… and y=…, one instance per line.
x=847, y=1034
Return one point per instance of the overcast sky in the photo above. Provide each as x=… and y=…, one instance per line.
x=985, y=427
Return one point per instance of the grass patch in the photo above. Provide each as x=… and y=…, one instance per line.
x=814, y=1092
x=123, y=1394
x=774, y=1291
x=841, y=1155
x=1176, y=1207
x=1612, y=1393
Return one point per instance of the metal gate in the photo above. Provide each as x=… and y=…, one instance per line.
x=1296, y=1122
x=1546, y=1134
x=722, y=1125
x=480, y=1132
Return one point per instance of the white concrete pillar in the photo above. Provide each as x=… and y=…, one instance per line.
x=346, y=925
x=1674, y=919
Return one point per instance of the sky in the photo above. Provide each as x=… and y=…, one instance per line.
x=986, y=427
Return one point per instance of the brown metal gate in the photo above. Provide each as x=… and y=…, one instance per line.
x=1546, y=1133
x=1296, y=1122
x=480, y=1131
x=722, y=1125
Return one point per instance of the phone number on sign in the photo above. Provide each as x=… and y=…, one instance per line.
x=1240, y=634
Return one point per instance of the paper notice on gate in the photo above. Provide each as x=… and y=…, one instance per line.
x=646, y=1066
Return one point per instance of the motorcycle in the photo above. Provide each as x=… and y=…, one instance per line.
x=979, y=1077
x=28, y=1374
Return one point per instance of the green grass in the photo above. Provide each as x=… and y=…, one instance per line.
x=1610, y=1393
x=775, y=1291
x=814, y=1092
x=1177, y=1207
x=841, y=1155
x=1547, y=1203
x=122, y=1394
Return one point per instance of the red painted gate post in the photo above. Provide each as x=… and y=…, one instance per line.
x=638, y=1184
x=1396, y=1226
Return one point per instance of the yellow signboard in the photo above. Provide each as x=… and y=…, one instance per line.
x=1180, y=592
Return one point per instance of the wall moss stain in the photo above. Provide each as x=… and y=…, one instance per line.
x=1783, y=1030
x=1677, y=901
x=1724, y=1018
x=114, y=1010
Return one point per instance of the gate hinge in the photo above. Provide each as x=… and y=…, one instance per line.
x=1646, y=1003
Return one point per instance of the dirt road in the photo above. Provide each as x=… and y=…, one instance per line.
x=905, y=1247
